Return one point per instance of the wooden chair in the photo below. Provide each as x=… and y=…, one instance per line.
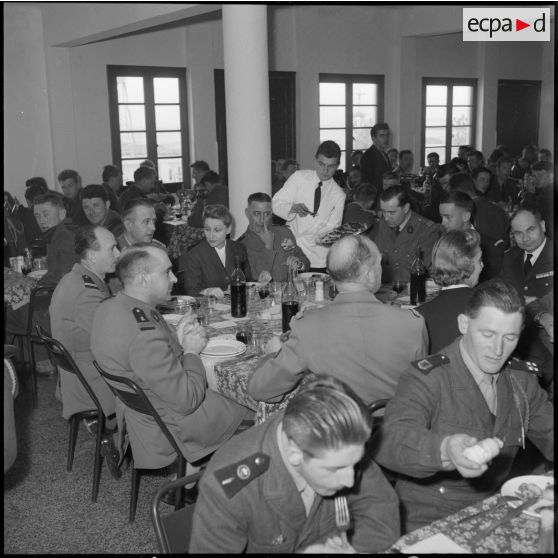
x=59, y=356
x=133, y=397
x=173, y=530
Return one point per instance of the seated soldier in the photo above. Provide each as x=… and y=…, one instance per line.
x=271, y=249
x=70, y=184
x=97, y=208
x=360, y=209
x=138, y=218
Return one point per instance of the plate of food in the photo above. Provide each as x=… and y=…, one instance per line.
x=348, y=229
x=312, y=275
x=222, y=346
x=530, y=486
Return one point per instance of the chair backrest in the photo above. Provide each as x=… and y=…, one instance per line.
x=134, y=397
x=39, y=302
x=173, y=529
x=373, y=408
x=59, y=356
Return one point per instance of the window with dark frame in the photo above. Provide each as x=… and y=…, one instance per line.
x=448, y=116
x=349, y=106
x=148, y=120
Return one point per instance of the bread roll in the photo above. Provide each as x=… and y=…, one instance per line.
x=484, y=451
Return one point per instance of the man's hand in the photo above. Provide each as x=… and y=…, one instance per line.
x=215, y=291
x=194, y=339
x=267, y=236
x=300, y=209
x=453, y=447
x=294, y=263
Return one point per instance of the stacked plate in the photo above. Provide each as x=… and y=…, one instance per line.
x=223, y=346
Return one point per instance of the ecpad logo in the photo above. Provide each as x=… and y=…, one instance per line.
x=506, y=24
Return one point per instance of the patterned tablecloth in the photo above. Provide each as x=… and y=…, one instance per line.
x=17, y=288
x=181, y=237
x=519, y=535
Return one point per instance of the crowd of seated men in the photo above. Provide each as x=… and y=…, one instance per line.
x=493, y=261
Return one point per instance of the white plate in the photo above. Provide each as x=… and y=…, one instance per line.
x=223, y=346
x=37, y=274
x=312, y=274
x=185, y=298
x=511, y=487
x=173, y=319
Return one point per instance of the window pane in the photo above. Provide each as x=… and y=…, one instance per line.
x=462, y=95
x=170, y=170
x=435, y=136
x=461, y=116
x=454, y=151
x=131, y=117
x=364, y=116
x=169, y=144
x=133, y=145
x=365, y=94
x=436, y=116
x=461, y=135
x=342, y=160
x=441, y=152
x=436, y=94
x=361, y=138
x=337, y=136
x=332, y=117
x=332, y=93
x=165, y=90
x=167, y=117
x=130, y=89
x=128, y=168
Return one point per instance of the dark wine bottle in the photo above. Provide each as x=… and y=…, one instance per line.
x=419, y=274
x=289, y=301
x=238, y=291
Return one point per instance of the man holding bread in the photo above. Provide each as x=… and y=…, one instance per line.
x=458, y=418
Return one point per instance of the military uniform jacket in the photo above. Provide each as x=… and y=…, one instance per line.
x=267, y=515
x=373, y=165
x=349, y=340
x=399, y=251
x=72, y=308
x=540, y=279
x=274, y=260
x=443, y=399
x=61, y=254
x=130, y=338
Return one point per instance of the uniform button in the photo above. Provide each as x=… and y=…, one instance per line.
x=442, y=489
x=525, y=288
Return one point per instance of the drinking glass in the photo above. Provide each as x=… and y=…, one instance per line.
x=244, y=333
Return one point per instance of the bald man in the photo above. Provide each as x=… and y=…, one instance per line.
x=348, y=338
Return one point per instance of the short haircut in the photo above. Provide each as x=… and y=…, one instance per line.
x=260, y=197
x=396, y=192
x=497, y=293
x=143, y=173
x=289, y=162
x=447, y=169
x=131, y=205
x=478, y=170
x=527, y=208
x=392, y=150
x=94, y=191
x=200, y=165
x=350, y=257
x=329, y=149
x=218, y=211
x=36, y=181
x=546, y=152
x=391, y=175
x=462, y=181
x=457, y=161
x=148, y=163
x=475, y=153
x=452, y=257
x=52, y=197
x=211, y=177
x=365, y=192
x=504, y=159
x=404, y=152
x=542, y=165
x=110, y=171
x=35, y=190
x=433, y=154
x=378, y=127
x=466, y=147
x=133, y=261
x=86, y=239
x=459, y=199
x=68, y=173
x=326, y=414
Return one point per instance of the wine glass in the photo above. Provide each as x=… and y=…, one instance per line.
x=26, y=266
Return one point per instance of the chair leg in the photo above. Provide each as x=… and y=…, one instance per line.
x=136, y=475
x=181, y=472
x=74, y=427
x=33, y=372
x=98, y=459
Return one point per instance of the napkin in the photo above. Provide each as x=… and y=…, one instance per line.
x=436, y=544
x=220, y=307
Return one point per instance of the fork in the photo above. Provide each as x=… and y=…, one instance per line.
x=342, y=518
x=503, y=501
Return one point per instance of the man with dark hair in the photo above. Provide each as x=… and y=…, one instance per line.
x=37, y=181
x=138, y=218
x=463, y=151
x=97, y=209
x=448, y=402
x=211, y=190
x=287, y=168
x=34, y=187
x=346, y=338
x=523, y=164
x=272, y=488
x=502, y=187
x=272, y=249
x=130, y=338
x=545, y=155
x=70, y=184
x=433, y=162
x=73, y=305
x=481, y=177
x=144, y=182
x=312, y=203
x=374, y=162
x=199, y=170
x=406, y=162
x=400, y=233
x=360, y=209
x=475, y=159
x=540, y=193
x=112, y=183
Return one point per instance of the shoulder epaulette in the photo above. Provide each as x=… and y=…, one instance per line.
x=236, y=476
x=427, y=364
x=88, y=283
x=524, y=366
x=143, y=321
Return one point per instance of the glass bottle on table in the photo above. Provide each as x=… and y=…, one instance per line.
x=290, y=301
x=419, y=273
x=238, y=291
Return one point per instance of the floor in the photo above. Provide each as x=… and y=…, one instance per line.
x=48, y=510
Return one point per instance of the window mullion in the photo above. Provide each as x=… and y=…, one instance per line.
x=149, y=99
x=449, y=121
x=348, y=121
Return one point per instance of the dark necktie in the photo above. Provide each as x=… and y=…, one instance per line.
x=396, y=231
x=317, y=197
x=527, y=265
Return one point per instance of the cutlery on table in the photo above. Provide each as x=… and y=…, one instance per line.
x=502, y=502
x=342, y=517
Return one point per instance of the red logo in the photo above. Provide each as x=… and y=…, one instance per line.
x=519, y=25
